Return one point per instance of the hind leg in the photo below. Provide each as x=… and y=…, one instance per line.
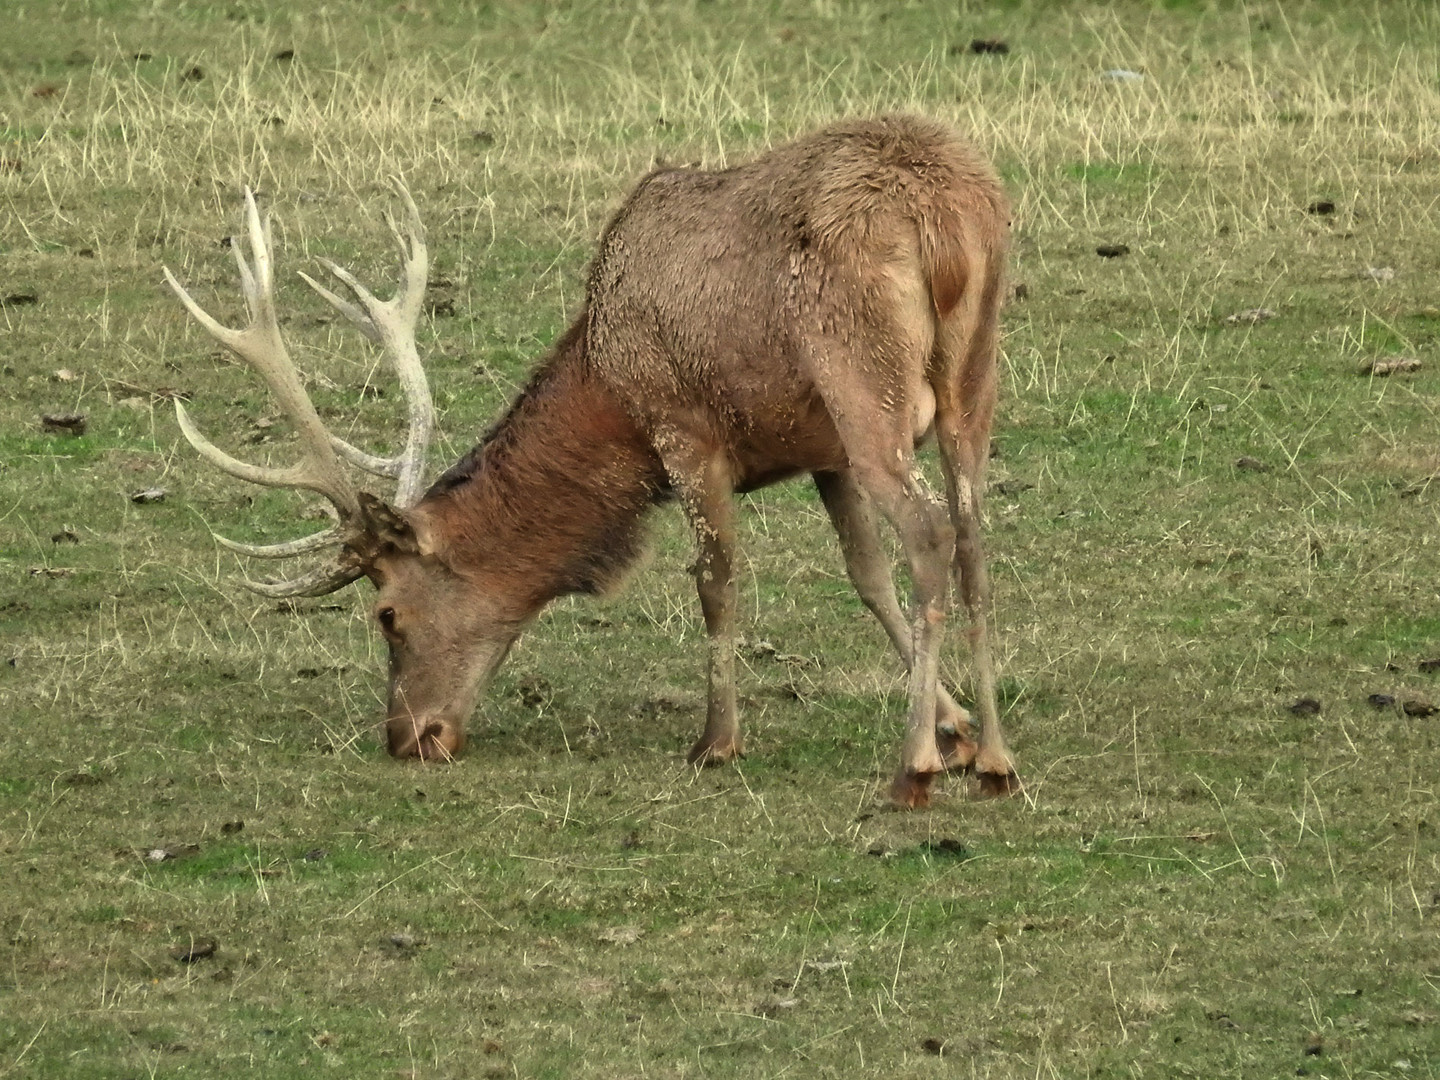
x=964, y=383
x=993, y=764
x=865, y=399
x=869, y=569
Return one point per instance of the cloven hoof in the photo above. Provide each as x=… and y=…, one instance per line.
x=706, y=753
x=911, y=791
x=956, y=750
x=998, y=785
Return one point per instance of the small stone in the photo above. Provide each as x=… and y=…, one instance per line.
x=621, y=935
x=1250, y=316
x=172, y=851
x=1399, y=365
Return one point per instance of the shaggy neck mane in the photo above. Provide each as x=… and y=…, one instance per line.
x=552, y=498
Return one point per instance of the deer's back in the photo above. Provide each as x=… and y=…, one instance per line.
x=712, y=291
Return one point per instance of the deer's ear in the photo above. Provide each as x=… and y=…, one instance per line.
x=422, y=531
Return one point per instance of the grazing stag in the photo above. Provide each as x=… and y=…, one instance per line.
x=822, y=309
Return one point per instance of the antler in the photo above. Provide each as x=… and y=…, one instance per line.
x=389, y=323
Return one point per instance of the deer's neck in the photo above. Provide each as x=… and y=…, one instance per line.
x=552, y=501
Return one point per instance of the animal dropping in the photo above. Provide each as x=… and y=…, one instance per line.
x=64, y=424
x=821, y=310
x=194, y=948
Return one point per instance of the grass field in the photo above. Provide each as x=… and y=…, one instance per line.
x=1195, y=521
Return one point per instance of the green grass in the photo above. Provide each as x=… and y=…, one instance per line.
x=1198, y=882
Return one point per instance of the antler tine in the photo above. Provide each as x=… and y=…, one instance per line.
x=371, y=463
x=290, y=476
x=286, y=548
x=391, y=324
x=321, y=581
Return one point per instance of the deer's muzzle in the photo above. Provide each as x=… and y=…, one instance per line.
x=427, y=739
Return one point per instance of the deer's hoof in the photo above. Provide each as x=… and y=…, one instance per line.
x=709, y=752
x=957, y=750
x=997, y=785
x=911, y=790
x=996, y=772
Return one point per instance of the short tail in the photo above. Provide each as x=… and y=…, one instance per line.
x=959, y=254
x=942, y=250
x=964, y=256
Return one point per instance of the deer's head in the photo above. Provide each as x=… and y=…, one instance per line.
x=446, y=631
x=446, y=628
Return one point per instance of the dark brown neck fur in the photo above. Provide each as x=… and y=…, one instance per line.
x=551, y=500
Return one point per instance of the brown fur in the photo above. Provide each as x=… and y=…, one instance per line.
x=806, y=312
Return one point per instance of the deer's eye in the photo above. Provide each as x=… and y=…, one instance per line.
x=386, y=616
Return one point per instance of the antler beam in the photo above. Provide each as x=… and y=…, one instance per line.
x=391, y=324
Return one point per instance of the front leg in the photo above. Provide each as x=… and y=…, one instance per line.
x=706, y=491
